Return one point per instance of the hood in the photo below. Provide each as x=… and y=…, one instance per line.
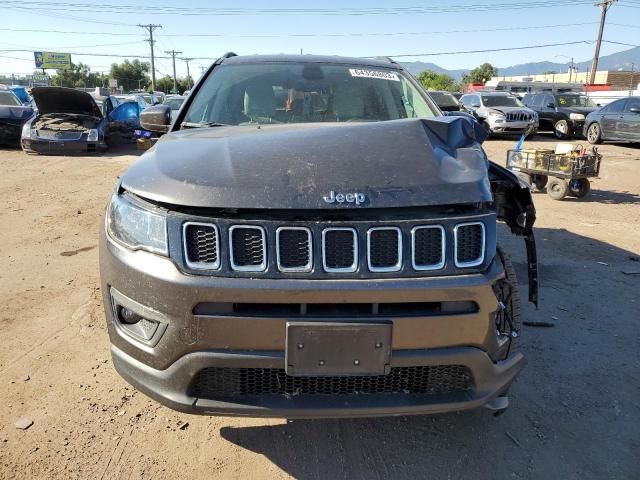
x=400, y=163
x=64, y=100
x=14, y=114
x=583, y=110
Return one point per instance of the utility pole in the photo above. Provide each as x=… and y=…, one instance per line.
x=604, y=6
x=173, y=54
x=150, y=28
x=187, y=60
x=633, y=66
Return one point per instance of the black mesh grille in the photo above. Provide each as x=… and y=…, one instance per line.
x=202, y=244
x=383, y=248
x=339, y=248
x=294, y=249
x=248, y=247
x=213, y=383
x=469, y=243
x=427, y=247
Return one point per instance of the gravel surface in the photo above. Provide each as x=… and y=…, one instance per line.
x=575, y=409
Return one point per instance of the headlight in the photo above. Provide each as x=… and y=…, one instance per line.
x=576, y=116
x=26, y=130
x=93, y=136
x=496, y=114
x=135, y=226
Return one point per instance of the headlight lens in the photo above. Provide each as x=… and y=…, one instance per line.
x=26, y=130
x=496, y=114
x=576, y=116
x=136, y=227
x=93, y=136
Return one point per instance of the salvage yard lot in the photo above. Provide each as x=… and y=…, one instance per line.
x=574, y=412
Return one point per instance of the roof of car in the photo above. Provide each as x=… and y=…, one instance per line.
x=369, y=62
x=501, y=94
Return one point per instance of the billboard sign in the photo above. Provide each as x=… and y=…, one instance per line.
x=55, y=60
x=39, y=80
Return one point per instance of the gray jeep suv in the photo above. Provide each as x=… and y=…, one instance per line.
x=500, y=113
x=313, y=238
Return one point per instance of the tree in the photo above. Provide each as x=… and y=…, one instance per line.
x=437, y=81
x=79, y=75
x=480, y=74
x=131, y=75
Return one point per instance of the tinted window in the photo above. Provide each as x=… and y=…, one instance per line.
x=548, y=100
x=615, y=107
x=8, y=98
x=574, y=101
x=631, y=103
x=444, y=99
x=528, y=99
x=306, y=92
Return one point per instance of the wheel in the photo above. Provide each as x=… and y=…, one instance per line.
x=508, y=320
x=561, y=129
x=594, y=135
x=557, y=188
x=540, y=181
x=580, y=188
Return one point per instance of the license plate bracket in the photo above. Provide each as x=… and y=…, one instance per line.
x=332, y=348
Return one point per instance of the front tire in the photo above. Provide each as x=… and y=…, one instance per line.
x=557, y=188
x=561, y=129
x=582, y=188
x=508, y=319
x=540, y=181
x=594, y=134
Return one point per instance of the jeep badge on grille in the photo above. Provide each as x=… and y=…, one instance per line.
x=355, y=197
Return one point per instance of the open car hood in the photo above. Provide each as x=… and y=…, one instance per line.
x=400, y=163
x=64, y=100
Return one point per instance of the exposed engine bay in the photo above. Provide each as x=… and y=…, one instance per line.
x=63, y=122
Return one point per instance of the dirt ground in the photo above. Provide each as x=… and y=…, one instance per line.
x=575, y=409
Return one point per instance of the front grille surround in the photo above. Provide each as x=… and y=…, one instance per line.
x=316, y=227
x=347, y=269
x=199, y=265
x=456, y=234
x=262, y=266
x=518, y=117
x=392, y=268
x=303, y=268
x=443, y=248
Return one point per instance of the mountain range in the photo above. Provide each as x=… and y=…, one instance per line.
x=625, y=60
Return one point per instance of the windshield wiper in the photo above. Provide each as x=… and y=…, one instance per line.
x=202, y=124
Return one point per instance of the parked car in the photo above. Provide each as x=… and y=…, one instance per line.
x=618, y=121
x=69, y=121
x=560, y=113
x=175, y=102
x=106, y=103
x=500, y=113
x=445, y=101
x=22, y=94
x=334, y=255
x=13, y=115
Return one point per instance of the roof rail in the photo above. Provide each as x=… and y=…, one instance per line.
x=226, y=55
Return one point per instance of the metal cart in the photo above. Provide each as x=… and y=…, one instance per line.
x=563, y=174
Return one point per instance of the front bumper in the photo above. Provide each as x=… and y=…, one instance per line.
x=516, y=128
x=59, y=147
x=164, y=367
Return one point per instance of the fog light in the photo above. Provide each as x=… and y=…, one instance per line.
x=127, y=316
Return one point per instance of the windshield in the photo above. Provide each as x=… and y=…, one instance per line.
x=8, y=98
x=574, y=101
x=501, y=101
x=444, y=99
x=305, y=92
x=174, y=102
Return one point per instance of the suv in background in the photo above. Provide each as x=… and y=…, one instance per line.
x=313, y=238
x=500, y=113
x=446, y=101
x=560, y=113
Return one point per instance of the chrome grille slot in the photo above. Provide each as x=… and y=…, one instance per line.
x=201, y=245
x=294, y=249
x=247, y=245
x=339, y=250
x=384, y=249
x=469, y=240
x=518, y=117
x=428, y=247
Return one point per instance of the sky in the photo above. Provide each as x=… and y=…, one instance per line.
x=352, y=28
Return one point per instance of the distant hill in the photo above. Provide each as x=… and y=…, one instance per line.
x=615, y=61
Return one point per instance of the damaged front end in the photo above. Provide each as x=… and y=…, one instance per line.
x=514, y=206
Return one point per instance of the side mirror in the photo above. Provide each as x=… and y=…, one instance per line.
x=634, y=109
x=156, y=118
x=551, y=105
